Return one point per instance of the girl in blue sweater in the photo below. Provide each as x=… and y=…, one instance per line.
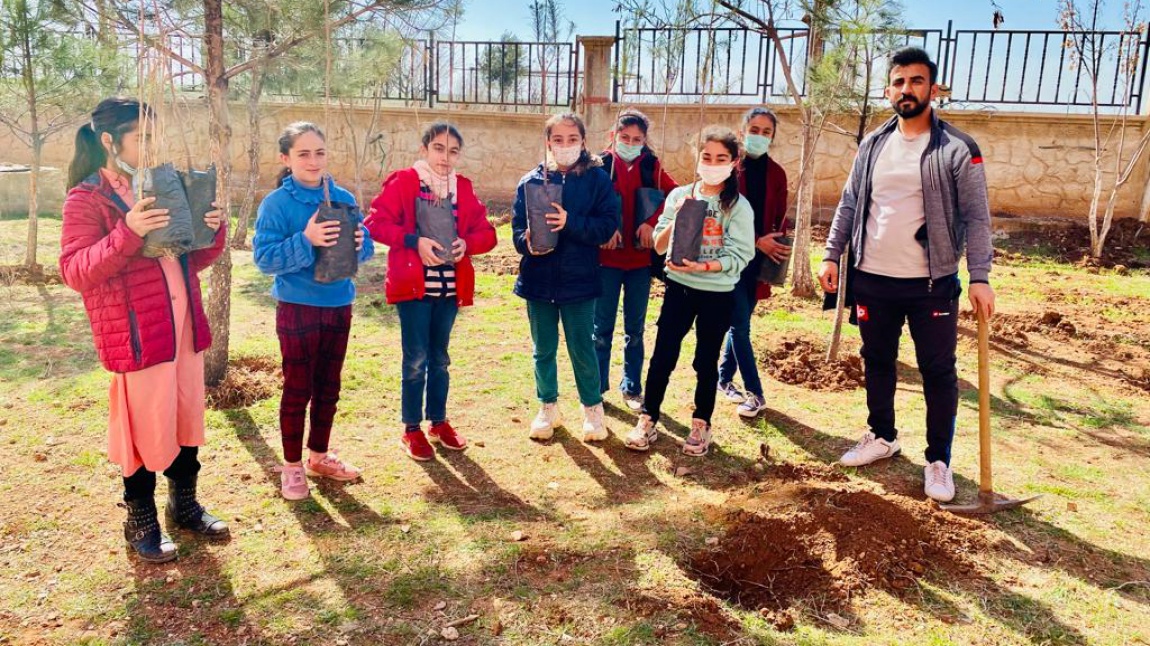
x=313, y=319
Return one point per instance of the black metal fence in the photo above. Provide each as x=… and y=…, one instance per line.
x=1040, y=69
x=520, y=75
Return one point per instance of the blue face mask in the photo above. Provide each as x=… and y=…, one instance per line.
x=756, y=145
x=628, y=152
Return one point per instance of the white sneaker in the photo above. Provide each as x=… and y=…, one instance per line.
x=543, y=426
x=643, y=435
x=731, y=392
x=938, y=481
x=751, y=406
x=869, y=449
x=594, y=430
x=699, y=441
x=634, y=402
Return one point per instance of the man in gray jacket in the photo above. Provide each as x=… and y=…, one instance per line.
x=916, y=195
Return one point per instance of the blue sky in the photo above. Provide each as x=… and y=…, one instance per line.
x=488, y=19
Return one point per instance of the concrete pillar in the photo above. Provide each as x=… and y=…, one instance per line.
x=598, y=80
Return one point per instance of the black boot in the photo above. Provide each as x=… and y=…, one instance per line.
x=186, y=512
x=142, y=531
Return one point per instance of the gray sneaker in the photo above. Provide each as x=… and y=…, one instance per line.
x=752, y=406
x=633, y=402
x=731, y=392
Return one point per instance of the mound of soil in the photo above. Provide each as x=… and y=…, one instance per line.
x=1017, y=328
x=795, y=541
x=803, y=363
x=25, y=275
x=248, y=380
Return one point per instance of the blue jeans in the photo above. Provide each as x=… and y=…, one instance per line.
x=425, y=330
x=635, y=285
x=738, y=355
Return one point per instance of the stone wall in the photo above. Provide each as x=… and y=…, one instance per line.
x=1036, y=164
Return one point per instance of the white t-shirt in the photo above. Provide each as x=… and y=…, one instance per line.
x=896, y=210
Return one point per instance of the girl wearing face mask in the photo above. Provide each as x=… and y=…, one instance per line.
x=426, y=291
x=699, y=293
x=148, y=323
x=563, y=283
x=764, y=183
x=313, y=319
x=626, y=259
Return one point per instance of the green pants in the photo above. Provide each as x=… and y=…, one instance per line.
x=578, y=326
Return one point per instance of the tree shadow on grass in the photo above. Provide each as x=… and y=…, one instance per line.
x=1050, y=547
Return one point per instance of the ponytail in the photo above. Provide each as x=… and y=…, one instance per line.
x=116, y=116
x=89, y=157
x=284, y=173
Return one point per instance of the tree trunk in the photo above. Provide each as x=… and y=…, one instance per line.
x=240, y=237
x=33, y=201
x=31, y=96
x=1092, y=214
x=220, y=135
x=840, y=306
x=803, y=283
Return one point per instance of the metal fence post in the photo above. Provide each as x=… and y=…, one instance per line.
x=615, y=72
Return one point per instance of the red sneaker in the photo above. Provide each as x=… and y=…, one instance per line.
x=416, y=446
x=443, y=433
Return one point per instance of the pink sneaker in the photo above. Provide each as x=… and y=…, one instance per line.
x=293, y=484
x=330, y=466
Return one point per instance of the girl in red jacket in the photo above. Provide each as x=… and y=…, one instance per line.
x=764, y=183
x=148, y=323
x=426, y=282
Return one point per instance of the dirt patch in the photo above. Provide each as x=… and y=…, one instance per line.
x=1126, y=245
x=829, y=541
x=25, y=275
x=802, y=362
x=496, y=263
x=248, y=380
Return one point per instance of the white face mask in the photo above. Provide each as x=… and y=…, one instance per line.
x=566, y=155
x=713, y=175
x=121, y=164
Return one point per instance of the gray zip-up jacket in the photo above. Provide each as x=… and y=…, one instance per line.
x=954, y=201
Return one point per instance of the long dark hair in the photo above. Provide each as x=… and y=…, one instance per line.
x=586, y=159
x=116, y=116
x=287, y=139
x=729, y=196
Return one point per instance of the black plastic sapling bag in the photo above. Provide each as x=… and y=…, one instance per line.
x=539, y=198
x=163, y=183
x=687, y=235
x=436, y=220
x=775, y=273
x=340, y=260
x=200, y=188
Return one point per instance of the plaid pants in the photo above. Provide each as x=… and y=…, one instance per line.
x=313, y=343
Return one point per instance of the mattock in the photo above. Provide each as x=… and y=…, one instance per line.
x=989, y=501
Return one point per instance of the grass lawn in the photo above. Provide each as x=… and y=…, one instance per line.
x=566, y=543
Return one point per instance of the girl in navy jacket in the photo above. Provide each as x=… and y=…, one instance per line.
x=562, y=284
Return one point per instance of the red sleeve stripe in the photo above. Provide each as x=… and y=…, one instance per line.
x=976, y=160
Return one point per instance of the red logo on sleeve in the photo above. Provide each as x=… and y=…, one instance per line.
x=863, y=315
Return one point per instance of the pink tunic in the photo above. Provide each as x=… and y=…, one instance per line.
x=155, y=411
